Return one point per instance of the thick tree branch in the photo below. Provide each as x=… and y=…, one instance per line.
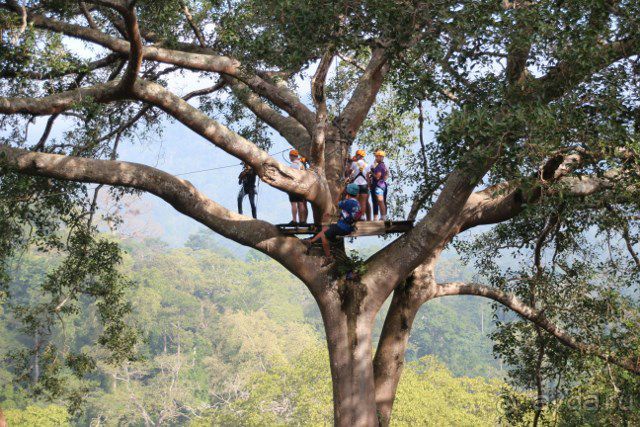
x=538, y=318
x=270, y=171
x=181, y=194
x=365, y=93
x=504, y=201
x=320, y=102
x=135, y=49
x=567, y=74
x=196, y=59
x=145, y=109
x=288, y=127
x=60, y=102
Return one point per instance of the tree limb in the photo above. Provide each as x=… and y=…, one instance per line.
x=567, y=74
x=270, y=171
x=320, y=102
x=288, y=127
x=192, y=24
x=208, y=61
x=365, y=93
x=179, y=193
x=535, y=316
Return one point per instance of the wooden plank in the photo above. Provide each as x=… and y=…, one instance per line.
x=363, y=228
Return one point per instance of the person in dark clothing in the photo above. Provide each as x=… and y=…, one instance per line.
x=247, y=179
x=349, y=214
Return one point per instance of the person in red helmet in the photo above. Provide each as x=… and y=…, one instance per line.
x=299, y=210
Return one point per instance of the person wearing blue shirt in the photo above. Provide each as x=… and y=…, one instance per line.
x=350, y=213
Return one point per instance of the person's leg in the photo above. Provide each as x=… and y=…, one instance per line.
x=325, y=245
x=362, y=201
x=240, y=197
x=368, y=208
x=303, y=212
x=294, y=211
x=375, y=205
x=385, y=202
x=252, y=200
x=382, y=206
x=317, y=236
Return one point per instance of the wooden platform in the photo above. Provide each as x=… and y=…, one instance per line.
x=363, y=228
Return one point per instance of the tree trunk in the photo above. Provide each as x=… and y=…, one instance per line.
x=35, y=375
x=349, y=342
x=389, y=360
x=3, y=420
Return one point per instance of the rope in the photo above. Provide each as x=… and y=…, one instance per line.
x=179, y=174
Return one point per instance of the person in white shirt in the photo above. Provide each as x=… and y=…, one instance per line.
x=360, y=172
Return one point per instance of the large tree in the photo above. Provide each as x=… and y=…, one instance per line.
x=537, y=131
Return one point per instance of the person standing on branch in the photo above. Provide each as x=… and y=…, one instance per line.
x=299, y=210
x=247, y=180
x=379, y=186
x=360, y=176
x=349, y=214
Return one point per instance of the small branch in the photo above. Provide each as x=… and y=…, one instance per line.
x=193, y=25
x=87, y=15
x=45, y=135
x=350, y=60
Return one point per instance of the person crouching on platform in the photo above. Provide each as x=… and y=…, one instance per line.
x=350, y=213
x=299, y=210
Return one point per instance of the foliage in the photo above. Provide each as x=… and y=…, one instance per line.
x=48, y=416
x=429, y=394
x=221, y=337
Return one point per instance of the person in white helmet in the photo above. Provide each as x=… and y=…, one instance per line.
x=360, y=172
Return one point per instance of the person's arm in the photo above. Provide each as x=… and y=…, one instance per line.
x=378, y=174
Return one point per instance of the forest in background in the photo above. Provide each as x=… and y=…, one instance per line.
x=232, y=340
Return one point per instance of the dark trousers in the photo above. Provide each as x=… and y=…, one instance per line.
x=252, y=199
x=374, y=199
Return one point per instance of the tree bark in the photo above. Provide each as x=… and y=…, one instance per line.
x=389, y=360
x=349, y=333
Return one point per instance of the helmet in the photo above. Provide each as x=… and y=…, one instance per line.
x=361, y=153
x=294, y=153
x=380, y=153
x=352, y=189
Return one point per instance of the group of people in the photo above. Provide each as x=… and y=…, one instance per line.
x=370, y=179
x=362, y=180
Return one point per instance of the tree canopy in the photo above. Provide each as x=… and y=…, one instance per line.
x=536, y=109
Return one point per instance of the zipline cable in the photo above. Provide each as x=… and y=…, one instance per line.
x=179, y=174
